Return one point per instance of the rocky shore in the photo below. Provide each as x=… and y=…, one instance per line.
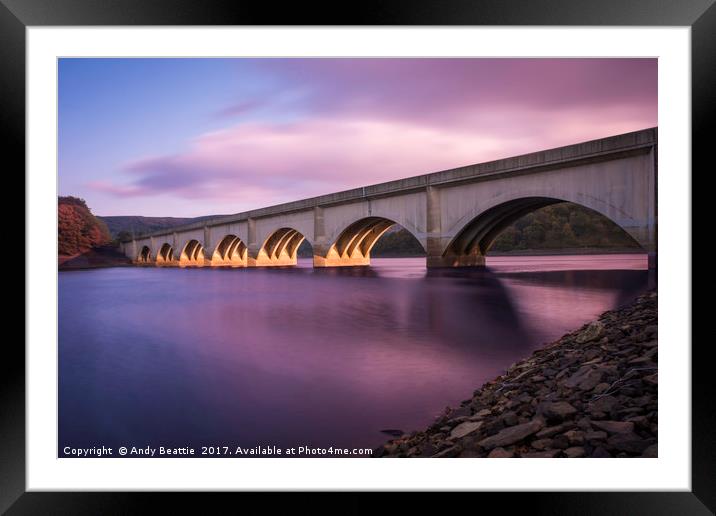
x=592, y=393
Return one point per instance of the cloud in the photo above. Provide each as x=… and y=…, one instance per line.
x=359, y=122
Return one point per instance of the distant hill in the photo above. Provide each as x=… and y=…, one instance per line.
x=563, y=226
x=139, y=225
x=78, y=230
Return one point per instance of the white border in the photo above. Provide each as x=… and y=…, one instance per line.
x=671, y=471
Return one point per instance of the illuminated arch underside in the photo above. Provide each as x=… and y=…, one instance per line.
x=353, y=245
x=281, y=248
x=192, y=254
x=231, y=251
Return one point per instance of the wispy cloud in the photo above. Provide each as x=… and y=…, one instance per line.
x=359, y=122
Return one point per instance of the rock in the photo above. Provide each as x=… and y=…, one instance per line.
x=500, y=453
x=574, y=437
x=574, y=452
x=639, y=421
x=428, y=450
x=461, y=411
x=465, y=428
x=560, y=442
x=470, y=454
x=601, y=388
x=651, y=452
x=628, y=442
x=452, y=451
x=553, y=430
x=651, y=330
x=615, y=427
x=585, y=379
x=541, y=444
x=456, y=421
x=509, y=418
x=549, y=454
x=481, y=414
x=585, y=423
x=641, y=360
x=512, y=434
x=600, y=453
x=493, y=426
x=593, y=331
x=595, y=436
x=605, y=405
x=556, y=411
x=651, y=379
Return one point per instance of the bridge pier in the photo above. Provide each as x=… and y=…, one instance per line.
x=332, y=259
x=473, y=259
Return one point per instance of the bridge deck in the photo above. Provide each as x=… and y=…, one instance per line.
x=523, y=164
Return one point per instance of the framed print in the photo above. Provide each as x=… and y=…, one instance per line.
x=369, y=254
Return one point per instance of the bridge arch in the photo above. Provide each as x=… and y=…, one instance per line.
x=192, y=254
x=279, y=248
x=165, y=254
x=476, y=235
x=353, y=244
x=230, y=251
x=145, y=255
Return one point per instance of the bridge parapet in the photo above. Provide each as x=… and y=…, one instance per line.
x=455, y=214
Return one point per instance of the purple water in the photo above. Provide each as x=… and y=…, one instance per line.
x=302, y=356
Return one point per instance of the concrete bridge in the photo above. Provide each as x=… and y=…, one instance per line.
x=455, y=214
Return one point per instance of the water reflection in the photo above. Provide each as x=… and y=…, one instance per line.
x=308, y=356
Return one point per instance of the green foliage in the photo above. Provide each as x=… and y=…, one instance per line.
x=399, y=242
x=562, y=226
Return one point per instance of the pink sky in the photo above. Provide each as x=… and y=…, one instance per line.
x=302, y=127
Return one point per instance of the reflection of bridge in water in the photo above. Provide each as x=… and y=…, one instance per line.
x=455, y=214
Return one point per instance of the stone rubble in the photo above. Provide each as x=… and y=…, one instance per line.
x=592, y=393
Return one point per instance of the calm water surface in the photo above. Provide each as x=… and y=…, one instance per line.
x=302, y=356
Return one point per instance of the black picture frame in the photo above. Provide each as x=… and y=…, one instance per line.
x=16, y=15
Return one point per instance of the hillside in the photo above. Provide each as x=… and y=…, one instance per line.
x=562, y=226
x=126, y=225
x=78, y=230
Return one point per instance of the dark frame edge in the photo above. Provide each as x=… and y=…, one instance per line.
x=703, y=113
x=702, y=499
x=12, y=366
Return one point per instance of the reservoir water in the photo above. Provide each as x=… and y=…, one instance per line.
x=307, y=357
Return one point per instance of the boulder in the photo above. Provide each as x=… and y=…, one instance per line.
x=615, y=427
x=593, y=331
x=512, y=434
x=465, y=428
x=500, y=453
x=558, y=410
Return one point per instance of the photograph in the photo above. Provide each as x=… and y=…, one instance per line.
x=413, y=249
x=357, y=257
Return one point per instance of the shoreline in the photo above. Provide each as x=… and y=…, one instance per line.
x=591, y=393
x=94, y=258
